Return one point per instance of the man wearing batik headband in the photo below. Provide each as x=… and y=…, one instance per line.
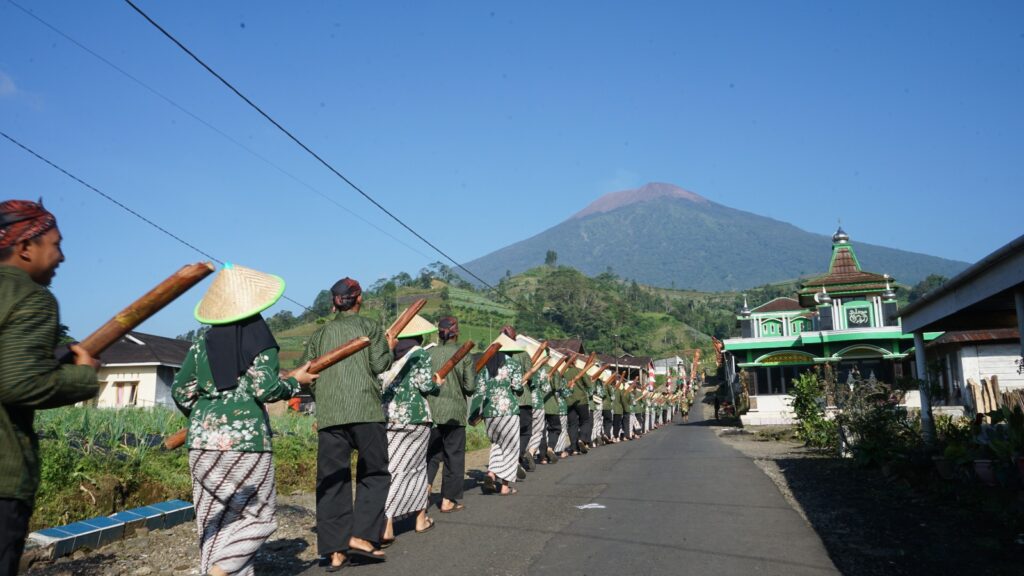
x=449, y=409
x=30, y=377
x=349, y=417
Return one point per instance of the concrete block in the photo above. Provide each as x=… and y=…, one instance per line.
x=175, y=512
x=110, y=530
x=154, y=518
x=131, y=521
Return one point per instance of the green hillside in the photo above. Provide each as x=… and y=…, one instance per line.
x=611, y=315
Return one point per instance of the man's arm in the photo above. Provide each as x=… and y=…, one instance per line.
x=30, y=376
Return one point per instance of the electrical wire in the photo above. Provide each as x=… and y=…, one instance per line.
x=121, y=205
x=226, y=136
x=319, y=158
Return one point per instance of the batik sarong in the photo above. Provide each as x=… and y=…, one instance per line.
x=536, y=430
x=563, y=436
x=598, y=425
x=503, y=431
x=407, y=463
x=235, y=500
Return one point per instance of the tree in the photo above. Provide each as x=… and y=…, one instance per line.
x=551, y=258
x=930, y=283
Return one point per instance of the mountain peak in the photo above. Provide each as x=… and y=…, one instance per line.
x=645, y=193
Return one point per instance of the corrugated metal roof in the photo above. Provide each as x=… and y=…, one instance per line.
x=975, y=336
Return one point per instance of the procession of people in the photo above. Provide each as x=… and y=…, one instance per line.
x=399, y=400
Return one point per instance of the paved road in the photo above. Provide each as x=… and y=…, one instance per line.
x=678, y=501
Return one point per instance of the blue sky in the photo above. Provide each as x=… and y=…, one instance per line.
x=482, y=123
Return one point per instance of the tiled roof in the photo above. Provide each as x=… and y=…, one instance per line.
x=153, y=349
x=781, y=304
x=844, y=269
x=567, y=344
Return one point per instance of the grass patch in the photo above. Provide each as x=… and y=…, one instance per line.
x=96, y=462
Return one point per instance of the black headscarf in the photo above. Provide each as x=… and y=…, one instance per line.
x=495, y=363
x=231, y=349
x=405, y=344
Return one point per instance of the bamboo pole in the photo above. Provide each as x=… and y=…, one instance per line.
x=486, y=356
x=450, y=364
x=319, y=364
x=404, y=318
x=148, y=304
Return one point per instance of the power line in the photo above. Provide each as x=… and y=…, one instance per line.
x=320, y=159
x=119, y=204
x=167, y=99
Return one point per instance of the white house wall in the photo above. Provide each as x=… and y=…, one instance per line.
x=985, y=361
x=150, y=392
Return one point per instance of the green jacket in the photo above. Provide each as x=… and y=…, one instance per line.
x=581, y=390
x=525, y=397
x=404, y=398
x=232, y=419
x=498, y=395
x=551, y=386
x=349, y=392
x=450, y=406
x=30, y=378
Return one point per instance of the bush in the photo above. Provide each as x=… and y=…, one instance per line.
x=873, y=425
x=813, y=425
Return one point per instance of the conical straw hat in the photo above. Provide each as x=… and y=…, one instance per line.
x=509, y=345
x=236, y=293
x=418, y=326
x=528, y=343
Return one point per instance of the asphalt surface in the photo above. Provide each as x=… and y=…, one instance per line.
x=678, y=501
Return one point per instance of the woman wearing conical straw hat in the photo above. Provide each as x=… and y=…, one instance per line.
x=406, y=384
x=228, y=375
x=498, y=386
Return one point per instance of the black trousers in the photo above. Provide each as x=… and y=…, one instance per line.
x=13, y=530
x=447, y=444
x=617, y=426
x=525, y=427
x=337, y=519
x=579, y=424
x=554, y=429
x=606, y=419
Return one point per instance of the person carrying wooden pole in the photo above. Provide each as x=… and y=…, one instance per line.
x=30, y=377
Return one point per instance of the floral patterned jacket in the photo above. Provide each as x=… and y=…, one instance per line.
x=404, y=394
x=499, y=395
x=235, y=419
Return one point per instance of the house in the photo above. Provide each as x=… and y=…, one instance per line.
x=846, y=317
x=138, y=370
x=962, y=355
x=988, y=296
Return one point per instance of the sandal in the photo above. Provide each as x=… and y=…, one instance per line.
x=335, y=568
x=430, y=526
x=374, y=555
x=511, y=492
x=456, y=508
x=385, y=542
